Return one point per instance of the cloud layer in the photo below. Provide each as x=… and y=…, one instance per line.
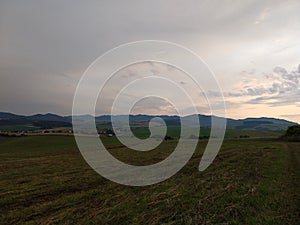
x=280, y=87
x=47, y=45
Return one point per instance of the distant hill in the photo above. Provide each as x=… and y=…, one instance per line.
x=12, y=122
x=5, y=115
x=49, y=120
x=262, y=123
x=47, y=117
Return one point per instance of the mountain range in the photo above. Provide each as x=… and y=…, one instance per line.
x=49, y=120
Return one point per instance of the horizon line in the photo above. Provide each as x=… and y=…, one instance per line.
x=68, y=115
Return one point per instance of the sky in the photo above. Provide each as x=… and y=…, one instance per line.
x=252, y=47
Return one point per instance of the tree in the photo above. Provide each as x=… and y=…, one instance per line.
x=292, y=133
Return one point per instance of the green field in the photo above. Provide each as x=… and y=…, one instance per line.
x=44, y=180
x=174, y=131
x=18, y=128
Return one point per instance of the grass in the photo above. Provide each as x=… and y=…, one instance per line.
x=174, y=131
x=18, y=128
x=44, y=180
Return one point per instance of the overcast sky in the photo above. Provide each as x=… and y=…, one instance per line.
x=253, y=47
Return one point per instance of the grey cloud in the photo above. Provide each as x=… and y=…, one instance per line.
x=290, y=115
x=154, y=106
x=280, y=70
x=281, y=90
x=277, y=100
x=288, y=82
x=54, y=41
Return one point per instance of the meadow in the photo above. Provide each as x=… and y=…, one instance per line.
x=45, y=180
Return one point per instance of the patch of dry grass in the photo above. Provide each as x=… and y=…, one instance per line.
x=44, y=180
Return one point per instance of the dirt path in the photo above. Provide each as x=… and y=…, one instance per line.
x=293, y=174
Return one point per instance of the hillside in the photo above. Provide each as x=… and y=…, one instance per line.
x=10, y=121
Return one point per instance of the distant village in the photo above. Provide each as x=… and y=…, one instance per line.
x=55, y=131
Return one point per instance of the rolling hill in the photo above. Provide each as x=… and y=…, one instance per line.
x=49, y=120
